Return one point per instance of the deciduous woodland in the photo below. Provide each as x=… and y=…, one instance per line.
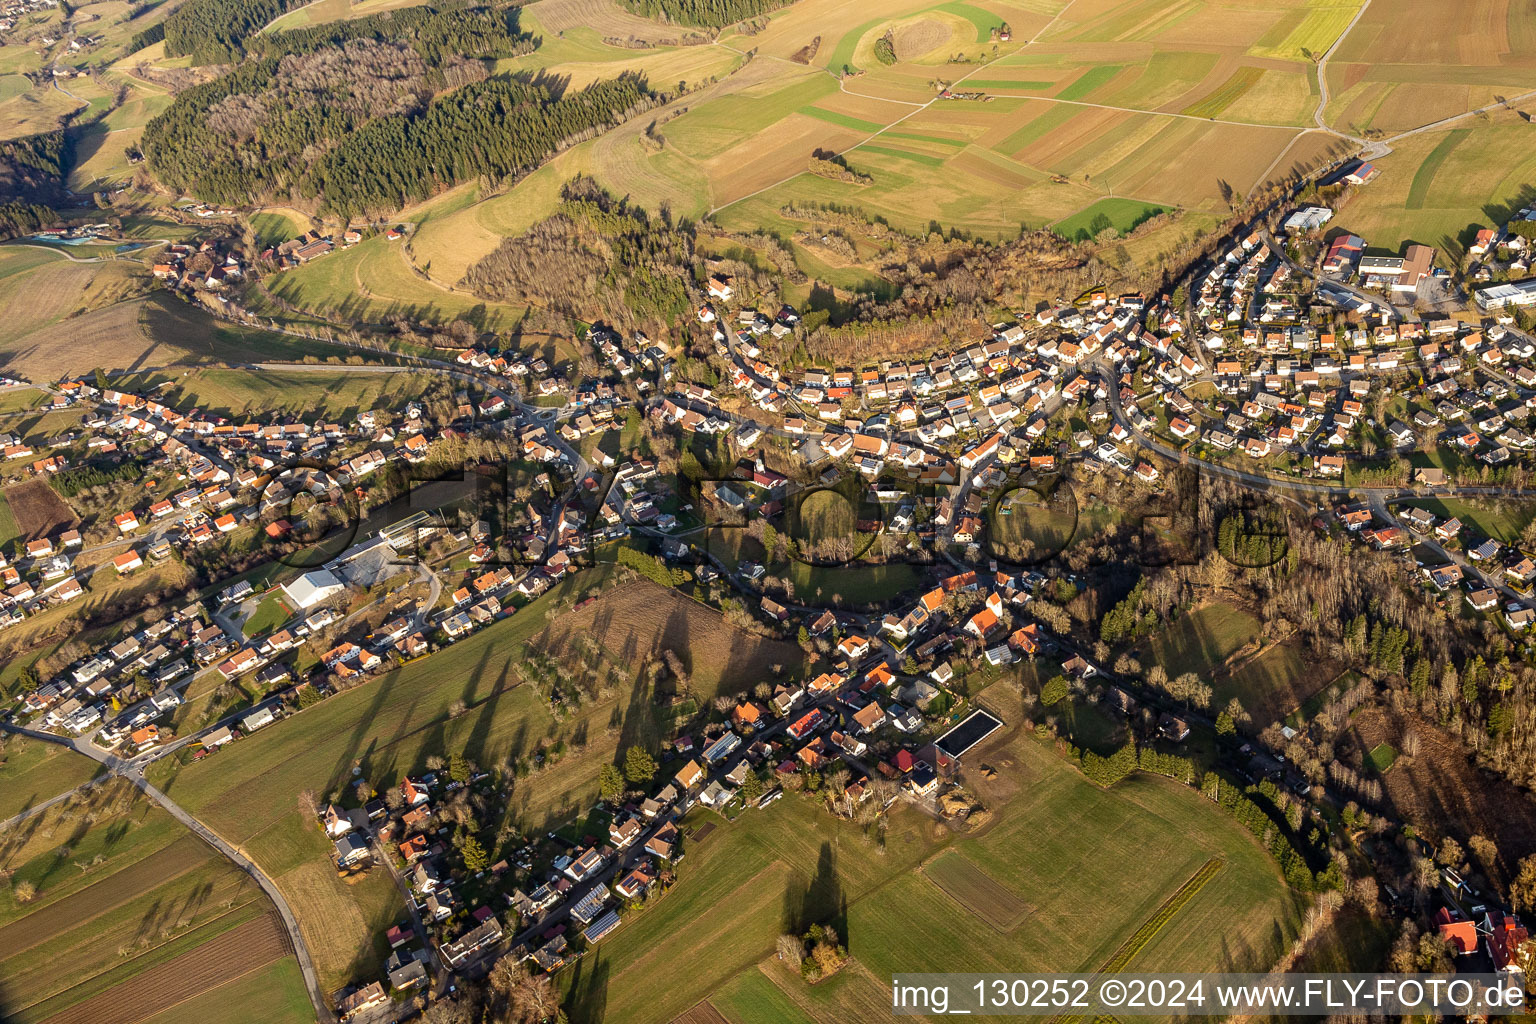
x=374, y=113
x=594, y=246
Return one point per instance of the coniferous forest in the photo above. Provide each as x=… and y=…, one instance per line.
x=705, y=13
x=215, y=31
x=370, y=114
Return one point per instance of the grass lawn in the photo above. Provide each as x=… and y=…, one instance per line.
x=334, y=394
x=1504, y=521
x=856, y=583
x=34, y=771
x=1202, y=640
x=373, y=280
x=1382, y=756
x=9, y=531
x=751, y=998
x=1026, y=528
x=1272, y=684
x=277, y=988
x=1091, y=726
x=273, y=228
x=271, y=613
x=1121, y=214
x=1315, y=703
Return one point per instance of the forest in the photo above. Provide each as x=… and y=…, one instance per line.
x=19, y=218
x=32, y=167
x=215, y=31
x=435, y=33
x=704, y=13
x=346, y=113
x=494, y=129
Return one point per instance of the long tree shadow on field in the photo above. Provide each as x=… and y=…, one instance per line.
x=7, y=1008
x=820, y=901
x=146, y=926
x=586, y=1001
x=347, y=751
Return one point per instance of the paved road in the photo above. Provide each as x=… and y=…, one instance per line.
x=146, y=244
x=1332, y=282
x=1322, y=83
x=134, y=773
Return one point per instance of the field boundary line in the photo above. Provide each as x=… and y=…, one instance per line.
x=256, y=896
x=974, y=71
x=19, y=948
x=1262, y=178
x=1151, y=926
x=161, y=1008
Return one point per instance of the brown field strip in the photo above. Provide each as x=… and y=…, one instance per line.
x=977, y=891
x=38, y=508
x=639, y=619
x=701, y=1013
x=98, y=898
x=236, y=952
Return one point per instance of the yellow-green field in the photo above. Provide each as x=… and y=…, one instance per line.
x=1115, y=98
x=42, y=108
x=379, y=278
